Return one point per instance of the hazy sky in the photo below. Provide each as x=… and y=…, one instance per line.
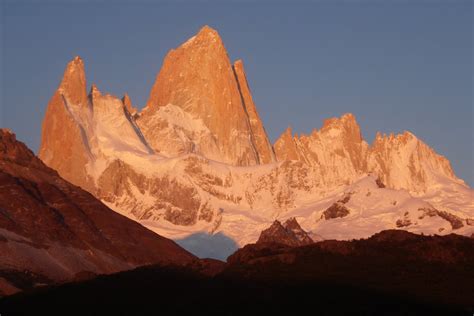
x=397, y=65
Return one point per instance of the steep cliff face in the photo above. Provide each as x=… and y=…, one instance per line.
x=196, y=106
x=127, y=102
x=286, y=147
x=263, y=146
x=64, y=143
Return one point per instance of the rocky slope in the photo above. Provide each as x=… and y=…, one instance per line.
x=197, y=160
x=52, y=231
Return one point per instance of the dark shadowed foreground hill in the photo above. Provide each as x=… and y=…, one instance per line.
x=391, y=273
x=52, y=231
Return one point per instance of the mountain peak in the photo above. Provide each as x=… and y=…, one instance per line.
x=6, y=131
x=347, y=119
x=13, y=150
x=63, y=145
x=407, y=135
x=260, y=141
x=206, y=38
x=344, y=127
x=127, y=102
x=239, y=63
x=285, y=146
x=95, y=92
x=73, y=84
x=403, y=161
x=207, y=30
x=290, y=234
x=404, y=137
x=287, y=134
x=198, y=81
x=75, y=63
x=292, y=223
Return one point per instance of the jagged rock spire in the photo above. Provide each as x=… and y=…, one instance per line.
x=290, y=234
x=127, y=102
x=63, y=146
x=337, y=151
x=285, y=146
x=263, y=146
x=73, y=85
x=196, y=106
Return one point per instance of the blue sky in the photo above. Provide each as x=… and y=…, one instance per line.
x=397, y=65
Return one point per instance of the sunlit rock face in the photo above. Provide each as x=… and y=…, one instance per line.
x=127, y=102
x=82, y=132
x=263, y=147
x=337, y=151
x=405, y=162
x=197, y=159
x=339, y=154
x=64, y=144
x=196, y=106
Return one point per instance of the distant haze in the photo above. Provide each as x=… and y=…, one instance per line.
x=397, y=65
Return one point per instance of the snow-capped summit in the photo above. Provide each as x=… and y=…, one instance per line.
x=336, y=152
x=339, y=154
x=405, y=162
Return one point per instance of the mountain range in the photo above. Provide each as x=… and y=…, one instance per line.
x=197, y=159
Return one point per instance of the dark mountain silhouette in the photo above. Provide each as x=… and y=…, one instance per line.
x=391, y=273
x=289, y=233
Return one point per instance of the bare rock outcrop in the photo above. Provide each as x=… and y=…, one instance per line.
x=196, y=106
x=289, y=234
x=64, y=144
x=263, y=147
